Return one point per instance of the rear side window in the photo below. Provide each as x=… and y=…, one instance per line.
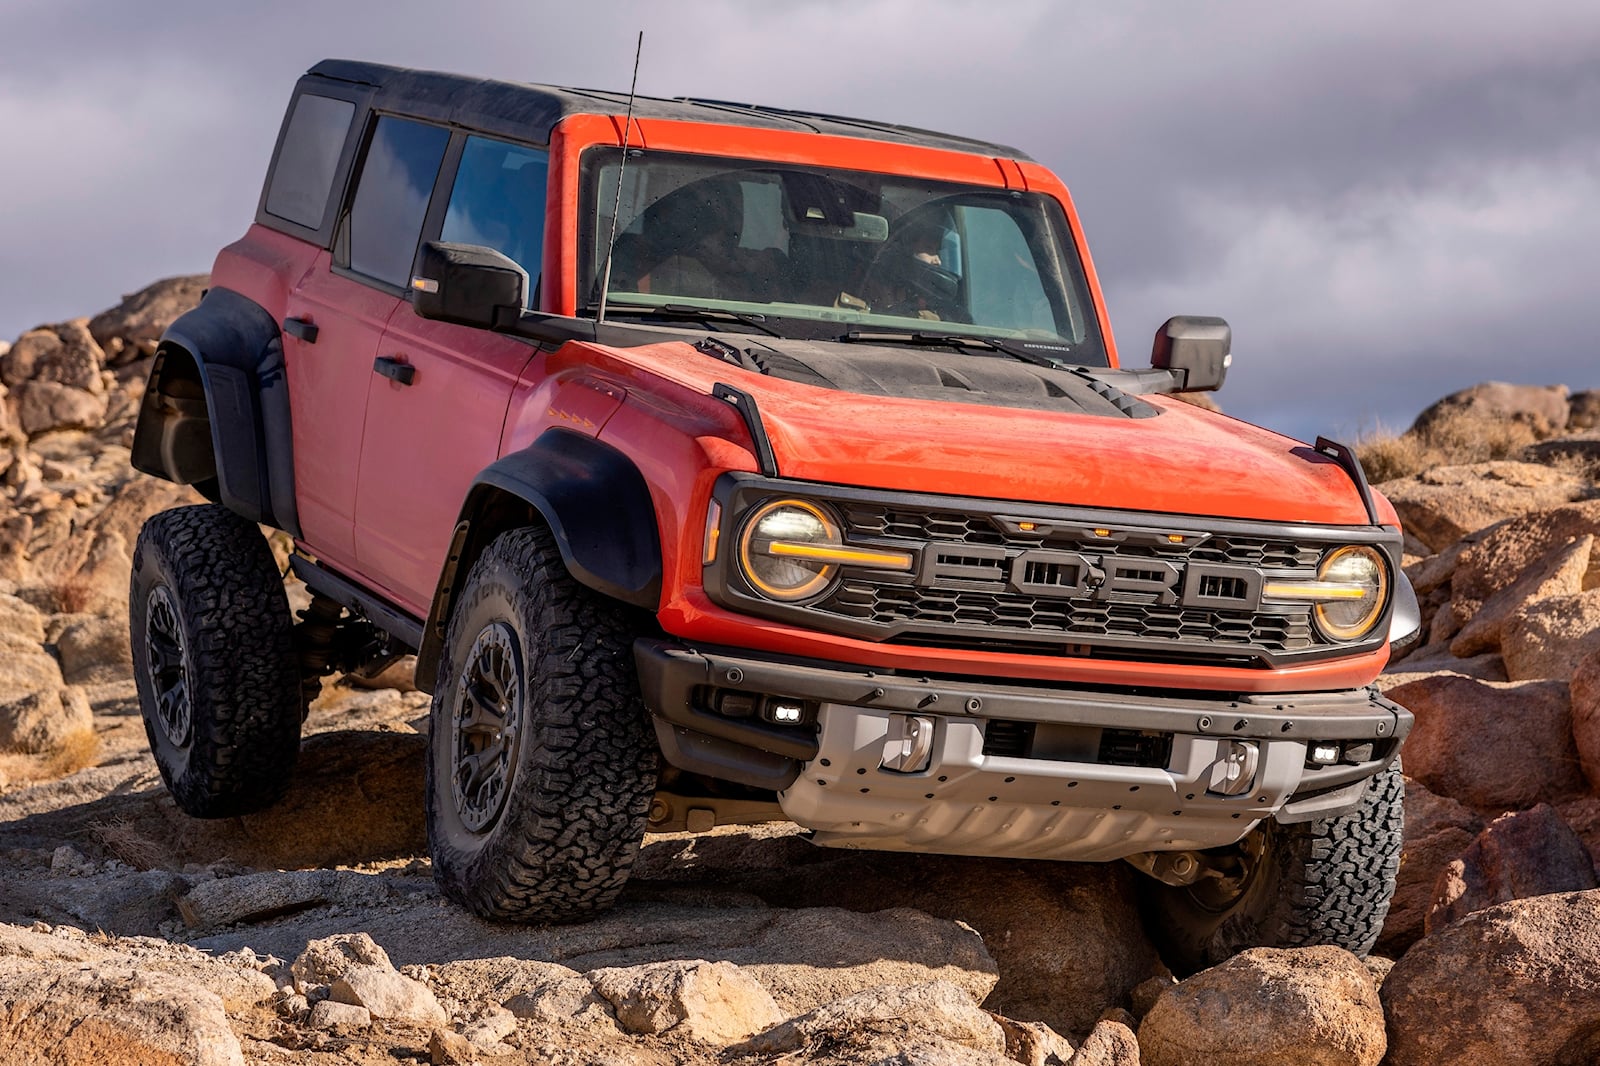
x=392, y=198
x=310, y=154
x=498, y=201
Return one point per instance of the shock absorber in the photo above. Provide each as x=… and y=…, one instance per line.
x=314, y=642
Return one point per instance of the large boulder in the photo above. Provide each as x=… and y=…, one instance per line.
x=1269, y=1007
x=1437, y=830
x=1544, y=409
x=65, y=1013
x=63, y=355
x=1493, y=746
x=25, y=667
x=1551, y=637
x=131, y=330
x=1583, y=410
x=1444, y=504
x=1518, y=855
x=43, y=406
x=45, y=721
x=1585, y=694
x=1503, y=554
x=1512, y=985
x=1559, y=572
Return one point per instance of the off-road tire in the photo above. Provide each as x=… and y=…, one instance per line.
x=214, y=661
x=576, y=753
x=1321, y=882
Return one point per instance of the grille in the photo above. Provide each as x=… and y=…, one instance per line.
x=955, y=614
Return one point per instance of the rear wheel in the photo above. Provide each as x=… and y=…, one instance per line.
x=542, y=762
x=1322, y=882
x=213, y=660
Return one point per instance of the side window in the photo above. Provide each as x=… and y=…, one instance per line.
x=301, y=181
x=498, y=201
x=392, y=198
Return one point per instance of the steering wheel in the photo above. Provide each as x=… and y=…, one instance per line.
x=901, y=283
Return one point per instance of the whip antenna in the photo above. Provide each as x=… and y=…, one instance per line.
x=616, y=204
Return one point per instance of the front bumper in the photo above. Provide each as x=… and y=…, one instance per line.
x=1011, y=769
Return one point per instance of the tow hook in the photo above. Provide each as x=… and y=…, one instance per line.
x=1177, y=868
x=909, y=748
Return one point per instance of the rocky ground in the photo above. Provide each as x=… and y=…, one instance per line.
x=313, y=933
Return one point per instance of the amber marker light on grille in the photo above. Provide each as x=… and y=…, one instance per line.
x=822, y=553
x=713, y=533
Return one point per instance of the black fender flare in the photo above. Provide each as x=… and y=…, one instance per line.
x=594, y=500
x=231, y=351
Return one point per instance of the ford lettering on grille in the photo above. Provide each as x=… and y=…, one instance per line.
x=1069, y=575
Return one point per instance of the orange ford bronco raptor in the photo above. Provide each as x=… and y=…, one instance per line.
x=724, y=463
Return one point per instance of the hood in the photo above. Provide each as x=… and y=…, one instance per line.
x=999, y=428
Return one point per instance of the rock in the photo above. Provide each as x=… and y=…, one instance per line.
x=262, y=896
x=1513, y=985
x=712, y=1002
x=1434, y=571
x=1500, y=557
x=327, y=1014
x=1485, y=667
x=1444, y=504
x=325, y=961
x=1548, y=639
x=1583, y=451
x=131, y=330
x=1295, y=1007
x=1582, y=816
x=1585, y=693
x=45, y=721
x=1491, y=745
x=388, y=994
x=1558, y=572
x=1109, y=1043
x=43, y=406
x=14, y=534
x=1437, y=831
x=1583, y=410
x=490, y=1028
x=934, y=1008
x=401, y=675
x=62, y=355
x=21, y=619
x=1034, y=1043
x=495, y=980
x=565, y=1001
x=450, y=1049
x=95, y=650
x=63, y=1013
x=1067, y=938
x=25, y=668
x=1526, y=853
x=1542, y=408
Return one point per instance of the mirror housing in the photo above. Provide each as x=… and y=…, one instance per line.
x=469, y=285
x=1196, y=350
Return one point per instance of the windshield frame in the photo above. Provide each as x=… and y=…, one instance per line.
x=1070, y=290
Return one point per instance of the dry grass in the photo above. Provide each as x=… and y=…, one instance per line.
x=79, y=750
x=119, y=837
x=74, y=594
x=1458, y=440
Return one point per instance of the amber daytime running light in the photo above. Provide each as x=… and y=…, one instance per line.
x=1351, y=589
x=792, y=550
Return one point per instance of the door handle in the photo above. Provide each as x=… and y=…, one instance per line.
x=302, y=328
x=395, y=370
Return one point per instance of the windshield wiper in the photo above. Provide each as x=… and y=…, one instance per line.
x=958, y=342
x=694, y=313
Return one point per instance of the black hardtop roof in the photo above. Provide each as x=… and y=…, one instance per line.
x=530, y=112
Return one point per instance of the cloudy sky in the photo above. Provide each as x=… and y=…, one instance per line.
x=1387, y=201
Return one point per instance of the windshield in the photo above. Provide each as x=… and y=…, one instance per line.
x=820, y=253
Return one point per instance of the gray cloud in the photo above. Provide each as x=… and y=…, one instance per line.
x=1387, y=201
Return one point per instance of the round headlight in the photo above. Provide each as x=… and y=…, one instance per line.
x=1360, y=577
x=775, y=526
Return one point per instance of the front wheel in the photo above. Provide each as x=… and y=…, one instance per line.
x=1301, y=885
x=542, y=761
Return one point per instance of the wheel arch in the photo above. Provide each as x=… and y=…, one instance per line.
x=215, y=412
x=595, y=503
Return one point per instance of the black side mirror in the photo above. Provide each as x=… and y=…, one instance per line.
x=468, y=284
x=1196, y=350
